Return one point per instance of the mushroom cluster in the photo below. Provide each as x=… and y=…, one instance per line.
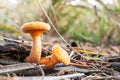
x=59, y=55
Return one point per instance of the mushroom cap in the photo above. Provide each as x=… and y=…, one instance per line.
x=27, y=27
x=60, y=54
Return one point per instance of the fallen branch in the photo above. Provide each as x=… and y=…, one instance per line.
x=52, y=77
x=76, y=69
x=101, y=78
x=8, y=62
x=16, y=67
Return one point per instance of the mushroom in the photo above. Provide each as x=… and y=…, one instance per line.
x=59, y=55
x=35, y=29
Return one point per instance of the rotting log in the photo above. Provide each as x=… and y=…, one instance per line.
x=14, y=51
x=17, y=52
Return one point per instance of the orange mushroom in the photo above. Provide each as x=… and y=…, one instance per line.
x=59, y=55
x=35, y=29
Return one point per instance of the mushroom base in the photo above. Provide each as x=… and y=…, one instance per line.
x=31, y=59
x=48, y=61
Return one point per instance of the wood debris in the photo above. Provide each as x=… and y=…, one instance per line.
x=13, y=53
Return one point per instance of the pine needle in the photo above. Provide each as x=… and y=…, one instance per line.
x=44, y=11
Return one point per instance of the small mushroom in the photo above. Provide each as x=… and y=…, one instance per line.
x=35, y=29
x=59, y=55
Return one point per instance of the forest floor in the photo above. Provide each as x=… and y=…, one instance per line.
x=89, y=62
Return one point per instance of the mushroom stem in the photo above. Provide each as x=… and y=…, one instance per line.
x=35, y=53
